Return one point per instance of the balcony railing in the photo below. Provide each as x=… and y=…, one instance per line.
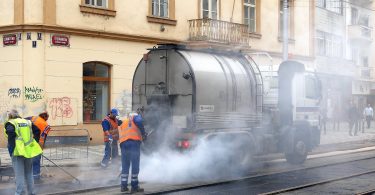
x=365, y=3
x=365, y=72
x=359, y=32
x=218, y=31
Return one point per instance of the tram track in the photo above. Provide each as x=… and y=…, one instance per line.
x=290, y=186
x=320, y=183
x=113, y=189
x=368, y=192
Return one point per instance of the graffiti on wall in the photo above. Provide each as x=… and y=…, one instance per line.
x=14, y=93
x=60, y=107
x=33, y=94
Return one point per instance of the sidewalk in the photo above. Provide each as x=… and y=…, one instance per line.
x=342, y=135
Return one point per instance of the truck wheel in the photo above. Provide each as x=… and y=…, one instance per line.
x=299, y=154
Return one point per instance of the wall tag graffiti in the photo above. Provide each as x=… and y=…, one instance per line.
x=14, y=93
x=33, y=94
x=60, y=107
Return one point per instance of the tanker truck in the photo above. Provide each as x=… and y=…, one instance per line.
x=192, y=96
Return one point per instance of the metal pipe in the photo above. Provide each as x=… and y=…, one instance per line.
x=62, y=169
x=285, y=30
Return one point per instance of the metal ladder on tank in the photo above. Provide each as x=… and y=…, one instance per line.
x=259, y=85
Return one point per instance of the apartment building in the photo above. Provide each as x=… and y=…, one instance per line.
x=76, y=58
x=359, y=27
x=343, y=39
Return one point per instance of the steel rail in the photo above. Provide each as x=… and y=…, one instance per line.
x=369, y=192
x=317, y=183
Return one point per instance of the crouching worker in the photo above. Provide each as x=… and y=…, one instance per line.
x=22, y=149
x=41, y=129
x=131, y=133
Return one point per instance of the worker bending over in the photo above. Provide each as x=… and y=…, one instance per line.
x=131, y=133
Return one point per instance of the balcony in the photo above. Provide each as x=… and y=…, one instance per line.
x=360, y=34
x=365, y=72
x=218, y=32
x=365, y=3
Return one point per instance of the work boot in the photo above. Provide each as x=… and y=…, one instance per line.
x=124, y=189
x=136, y=190
x=103, y=165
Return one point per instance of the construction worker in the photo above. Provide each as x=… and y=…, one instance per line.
x=110, y=130
x=131, y=132
x=40, y=128
x=22, y=149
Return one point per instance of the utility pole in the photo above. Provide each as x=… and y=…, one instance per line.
x=285, y=30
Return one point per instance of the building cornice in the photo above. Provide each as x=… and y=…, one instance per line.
x=85, y=32
x=113, y=35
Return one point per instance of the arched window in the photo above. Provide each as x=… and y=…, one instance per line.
x=96, y=82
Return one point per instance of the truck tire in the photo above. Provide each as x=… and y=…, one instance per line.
x=299, y=153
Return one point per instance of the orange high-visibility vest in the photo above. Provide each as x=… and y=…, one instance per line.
x=43, y=127
x=128, y=130
x=113, y=130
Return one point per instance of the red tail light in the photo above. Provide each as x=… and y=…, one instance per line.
x=185, y=144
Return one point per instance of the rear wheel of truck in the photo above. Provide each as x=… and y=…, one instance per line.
x=299, y=153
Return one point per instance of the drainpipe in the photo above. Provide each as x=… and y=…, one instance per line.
x=285, y=30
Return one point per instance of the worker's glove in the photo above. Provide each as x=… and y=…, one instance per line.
x=144, y=137
x=110, y=138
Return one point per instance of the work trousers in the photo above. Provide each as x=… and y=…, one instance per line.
x=353, y=124
x=36, y=167
x=23, y=171
x=130, y=155
x=368, y=120
x=110, y=152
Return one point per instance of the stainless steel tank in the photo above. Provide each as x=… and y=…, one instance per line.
x=198, y=90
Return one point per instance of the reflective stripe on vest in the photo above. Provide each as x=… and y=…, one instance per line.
x=128, y=130
x=19, y=132
x=113, y=129
x=26, y=145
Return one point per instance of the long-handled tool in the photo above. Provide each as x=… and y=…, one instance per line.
x=76, y=179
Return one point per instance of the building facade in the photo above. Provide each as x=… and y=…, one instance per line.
x=343, y=44
x=76, y=58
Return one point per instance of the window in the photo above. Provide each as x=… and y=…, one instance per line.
x=98, y=7
x=162, y=12
x=365, y=61
x=290, y=17
x=328, y=44
x=331, y=5
x=354, y=16
x=355, y=55
x=250, y=14
x=97, y=3
x=311, y=87
x=160, y=8
x=96, y=80
x=209, y=9
x=364, y=20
